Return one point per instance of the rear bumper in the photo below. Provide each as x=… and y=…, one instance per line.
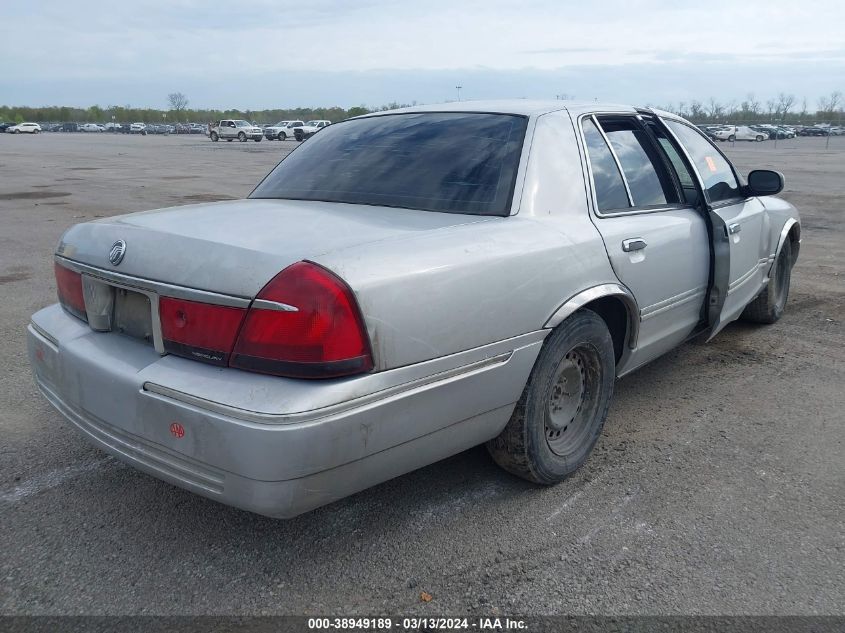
x=274, y=446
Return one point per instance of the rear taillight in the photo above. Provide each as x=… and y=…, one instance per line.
x=305, y=323
x=69, y=285
x=201, y=331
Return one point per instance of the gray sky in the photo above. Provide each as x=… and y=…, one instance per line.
x=256, y=54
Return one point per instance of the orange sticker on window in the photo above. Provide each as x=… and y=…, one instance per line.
x=711, y=163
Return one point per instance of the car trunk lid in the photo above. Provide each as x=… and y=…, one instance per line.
x=235, y=247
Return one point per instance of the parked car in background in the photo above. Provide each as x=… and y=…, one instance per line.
x=230, y=129
x=5, y=126
x=302, y=132
x=68, y=127
x=814, y=130
x=197, y=128
x=138, y=128
x=282, y=130
x=91, y=127
x=450, y=284
x=739, y=133
x=24, y=128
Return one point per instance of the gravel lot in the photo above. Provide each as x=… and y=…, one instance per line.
x=717, y=488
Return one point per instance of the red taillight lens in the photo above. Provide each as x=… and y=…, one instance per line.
x=69, y=285
x=201, y=331
x=324, y=337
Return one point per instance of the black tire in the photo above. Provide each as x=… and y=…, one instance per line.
x=214, y=137
x=283, y=136
x=257, y=140
x=568, y=392
x=759, y=138
x=242, y=137
x=732, y=138
x=769, y=305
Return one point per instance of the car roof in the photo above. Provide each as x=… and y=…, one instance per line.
x=524, y=107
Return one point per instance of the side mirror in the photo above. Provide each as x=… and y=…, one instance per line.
x=765, y=182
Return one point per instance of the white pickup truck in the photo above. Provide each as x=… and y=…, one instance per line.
x=231, y=129
x=282, y=131
x=302, y=132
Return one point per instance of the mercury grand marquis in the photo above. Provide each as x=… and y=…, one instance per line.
x=405, y=286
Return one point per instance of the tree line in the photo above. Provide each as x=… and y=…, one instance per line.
x=180, y=114
x=784, y=108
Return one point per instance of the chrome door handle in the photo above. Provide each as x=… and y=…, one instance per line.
x=734, y=228
x=633, y=244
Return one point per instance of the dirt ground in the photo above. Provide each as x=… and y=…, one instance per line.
x=717, y=487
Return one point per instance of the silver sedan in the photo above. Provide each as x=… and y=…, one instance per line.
x=405, y=286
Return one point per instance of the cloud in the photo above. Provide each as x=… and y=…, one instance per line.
x=293, y=53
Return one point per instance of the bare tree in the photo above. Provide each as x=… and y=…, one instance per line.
x=785, y=103
x=714, y=109
x=771, y=108
x=753, y=104
x=178, y=101
x=829, y=105
x=696, y=110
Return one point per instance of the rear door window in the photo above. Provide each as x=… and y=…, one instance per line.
x=607, y=180
x=648, y=179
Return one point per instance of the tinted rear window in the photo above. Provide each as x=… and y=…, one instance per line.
x=451, y=162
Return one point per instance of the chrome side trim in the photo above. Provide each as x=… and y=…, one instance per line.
x=672, y=302
x=263, y=304
x=157, y=287
x=578, y=301
x=784, y=235
x=325, y=412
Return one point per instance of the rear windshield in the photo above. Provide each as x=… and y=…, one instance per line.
x=434, y=161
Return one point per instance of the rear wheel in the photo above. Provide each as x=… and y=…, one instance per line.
x=561, y=412
x=759, y=138
x=214, y=137
x=732, y=138
x=769, y=305
x=257, y=140
x=242, y=137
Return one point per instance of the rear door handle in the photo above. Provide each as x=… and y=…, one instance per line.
x=633, y=244
x=734, y=228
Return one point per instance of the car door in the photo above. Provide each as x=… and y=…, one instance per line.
x=738, y=223
x=655, y=237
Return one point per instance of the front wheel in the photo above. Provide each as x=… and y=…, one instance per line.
x=732, y=138
x=562, y=410
x=214, y=137
x=242, y=137
x=283, y=136
x=759, y=138
x=769, y=305
x=257, y=140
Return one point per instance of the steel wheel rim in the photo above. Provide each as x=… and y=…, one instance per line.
x=567, y=417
